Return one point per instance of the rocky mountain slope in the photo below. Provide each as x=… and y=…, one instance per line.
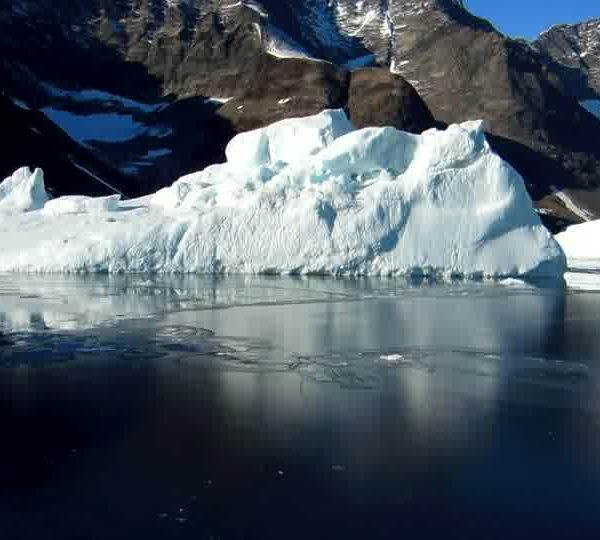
x=161, y=87
x=34, y=140
x=577, y=48
x=244, y=64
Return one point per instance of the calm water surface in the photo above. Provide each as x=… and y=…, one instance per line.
x=281, y=408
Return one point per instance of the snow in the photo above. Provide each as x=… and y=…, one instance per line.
x=570, y=204
x=112, y=100
x=277, y=43
x=287, y=141
x=159, y=152
x=371, y=14
x=21, y=104
x=580, y=244
x=308, y=195
x=22, y=192
x=79, y=204
x=95, y=177
x=591, y=105
x=361, y=62
x=103, y=127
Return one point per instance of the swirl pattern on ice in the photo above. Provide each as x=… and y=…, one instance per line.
x=304, y=195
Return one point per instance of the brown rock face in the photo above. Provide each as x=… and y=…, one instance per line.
x=285, y=88
x=377, y=97
x=576, y=47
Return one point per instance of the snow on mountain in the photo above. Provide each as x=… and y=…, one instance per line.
x=306, y=195
x=280, y=45
x=103, y=127
x=591, y=105
x=93, y=117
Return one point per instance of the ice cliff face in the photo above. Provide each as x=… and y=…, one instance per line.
x=309, y=195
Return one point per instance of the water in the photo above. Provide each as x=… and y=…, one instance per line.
x=281, y=408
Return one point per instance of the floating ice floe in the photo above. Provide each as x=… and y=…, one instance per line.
x=304, y=195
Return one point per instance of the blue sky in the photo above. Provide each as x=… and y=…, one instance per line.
x=527, y=18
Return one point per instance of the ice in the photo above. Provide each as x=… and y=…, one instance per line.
x=304, y=196
x=580, y=244
x=22, y=192
x=78, y=204
x=287, y=141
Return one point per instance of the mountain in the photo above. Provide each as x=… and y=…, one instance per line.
x=156, y=89
x=576, y=47
x=230, y=66
x=576, y=50
x=34, y=140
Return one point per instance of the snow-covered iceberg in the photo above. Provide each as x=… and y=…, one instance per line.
x=22, y=192
x=307, y=195
x=581, y=244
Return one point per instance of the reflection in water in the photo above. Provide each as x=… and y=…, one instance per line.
x=296, y=408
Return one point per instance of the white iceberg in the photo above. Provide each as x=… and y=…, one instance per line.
x=581, y=244
x=22, y=192
x=308, y=195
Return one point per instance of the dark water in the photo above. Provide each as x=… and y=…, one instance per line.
x=247, y=408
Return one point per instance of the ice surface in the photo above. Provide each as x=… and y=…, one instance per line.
x=22, y=192
x=287, y=141
x=309, y=195
x=78, y=204
x=581, y=245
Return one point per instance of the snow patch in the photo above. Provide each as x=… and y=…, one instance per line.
x=581, y=245
x=363, y=61
x=591, y=105
x=277, y=43
x=112, y=100
x=570, y=204
x=104, y=127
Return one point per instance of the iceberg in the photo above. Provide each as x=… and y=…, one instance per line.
x=304, y=195
x=581, y=246
x=22, y=192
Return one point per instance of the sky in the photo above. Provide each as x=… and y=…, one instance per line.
x=528, y=18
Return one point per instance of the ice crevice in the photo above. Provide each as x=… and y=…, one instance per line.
x=304, y=195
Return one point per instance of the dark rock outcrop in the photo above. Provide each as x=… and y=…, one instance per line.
x=377, y=97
